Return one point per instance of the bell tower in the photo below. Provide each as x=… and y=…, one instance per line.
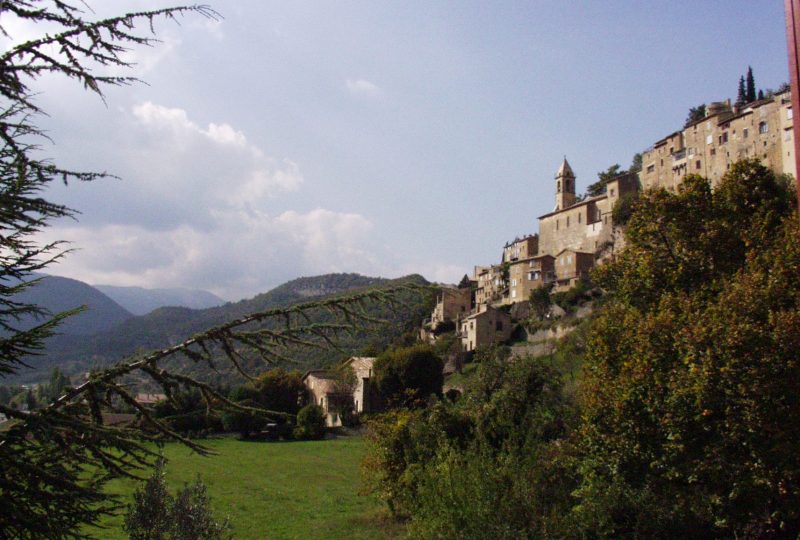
x=565, y=186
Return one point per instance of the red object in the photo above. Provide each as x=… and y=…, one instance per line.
x=792, y=8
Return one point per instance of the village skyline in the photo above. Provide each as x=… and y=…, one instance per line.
x=383, y=140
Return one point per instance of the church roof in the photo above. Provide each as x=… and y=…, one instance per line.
x=565, y=169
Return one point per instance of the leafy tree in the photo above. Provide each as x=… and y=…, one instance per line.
x=310, y=423
x=624, y=208
x=691, y=363
x=603, y=178
x=636, y=163
x=696, y=114
x=751, y=85
x=57, y=458
x=407, y=376
x=540, y=301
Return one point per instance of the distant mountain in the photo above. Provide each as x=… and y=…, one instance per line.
x=170, y=325
x=57, y=294
x=141, y=301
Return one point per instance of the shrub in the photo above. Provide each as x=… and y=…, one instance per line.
x=407, y=376
x=310, y=423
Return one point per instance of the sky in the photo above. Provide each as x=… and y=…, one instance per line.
x=300, y=138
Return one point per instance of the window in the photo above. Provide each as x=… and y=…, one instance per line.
x=723, y=138
x=612, y=192
x=567, y=221
x=763, y=127
x=713, y=151
x=745, y=133
x=697, y=165
x=651, y=168
x=788, y=114
x=556, y=224
x=709, y=140
x=579, y=216
x=514, y=293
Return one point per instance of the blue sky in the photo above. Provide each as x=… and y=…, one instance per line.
x=385, y=138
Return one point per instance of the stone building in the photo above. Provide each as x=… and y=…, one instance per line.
x=484, y=327
x=335, y=395
x=582, y=226
x=761, y=130
x=527, y=274
x=451, y=304
x=490, y=284
x=571, y=266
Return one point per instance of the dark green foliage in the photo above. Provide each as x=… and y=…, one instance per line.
x=465, y=283
x=408, y=376
x=570, y=299
x=482, y=466
x=751, y=85
x=695, y=114
x=540, y=301
x=623, y=209
x=689, y=398
x=636, y=163
x=444, y=327
x=603, y=178
x=245, y=423
x=310, y=423
x=148, y=518
x=741, y=94
x=156, y=515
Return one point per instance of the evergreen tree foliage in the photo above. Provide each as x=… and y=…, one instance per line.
x=603, y=178
x=751, y=86
x=157, y=515
x=741, y=93
x=408, y=376
x=56, y=459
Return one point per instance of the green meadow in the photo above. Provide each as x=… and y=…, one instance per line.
x=305, y=490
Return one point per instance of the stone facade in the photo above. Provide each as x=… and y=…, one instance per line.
x=521, y=248
x=324, y=388
x=451, y=304
x=585, y=226
x=761, y=130
x=490, y=284
x=571, y=266
x=525, y=275
x=484, y=328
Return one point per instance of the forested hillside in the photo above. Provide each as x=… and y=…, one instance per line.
x=168, y=326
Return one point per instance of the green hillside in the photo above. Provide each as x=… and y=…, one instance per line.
x=168, y=326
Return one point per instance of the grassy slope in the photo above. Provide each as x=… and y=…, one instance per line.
x=302, y=490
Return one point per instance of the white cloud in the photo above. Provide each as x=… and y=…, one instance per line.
x=242, y=254
x=362, y=87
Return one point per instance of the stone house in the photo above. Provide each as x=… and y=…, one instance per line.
x=485, y=327
x=335, y=395
x=571, y=266
x=451, y=304
x=490, y=284
x=527, y=274
x=761, y=130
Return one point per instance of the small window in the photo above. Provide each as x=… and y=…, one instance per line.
x=745, y=133
x=567, y=221
x=612, y=192
x=697, y=165
x=709, y=140
x=651, y=168
x=763, y=127
x=713, y=151
x=579, y=216
x=788, y=114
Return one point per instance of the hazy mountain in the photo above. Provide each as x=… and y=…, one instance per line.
x=170, y=325
x=58, y=294
x=141, y=301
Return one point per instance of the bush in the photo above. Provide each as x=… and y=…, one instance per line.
x=310, y=423
x=408, y=376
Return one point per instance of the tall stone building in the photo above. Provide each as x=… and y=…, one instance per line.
x=761, y=130
x=581, y=226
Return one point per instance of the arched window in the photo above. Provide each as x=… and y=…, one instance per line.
x=558, y=187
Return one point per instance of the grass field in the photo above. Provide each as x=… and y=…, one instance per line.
x=305, y=490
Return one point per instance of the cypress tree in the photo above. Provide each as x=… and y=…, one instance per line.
x=741, y=96
x=751, y=85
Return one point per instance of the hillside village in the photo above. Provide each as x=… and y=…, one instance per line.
x=581, y=232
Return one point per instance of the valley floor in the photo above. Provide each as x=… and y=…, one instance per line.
x=305, y=490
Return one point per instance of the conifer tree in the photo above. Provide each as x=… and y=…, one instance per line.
x=741, y=94
x=751, y=85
